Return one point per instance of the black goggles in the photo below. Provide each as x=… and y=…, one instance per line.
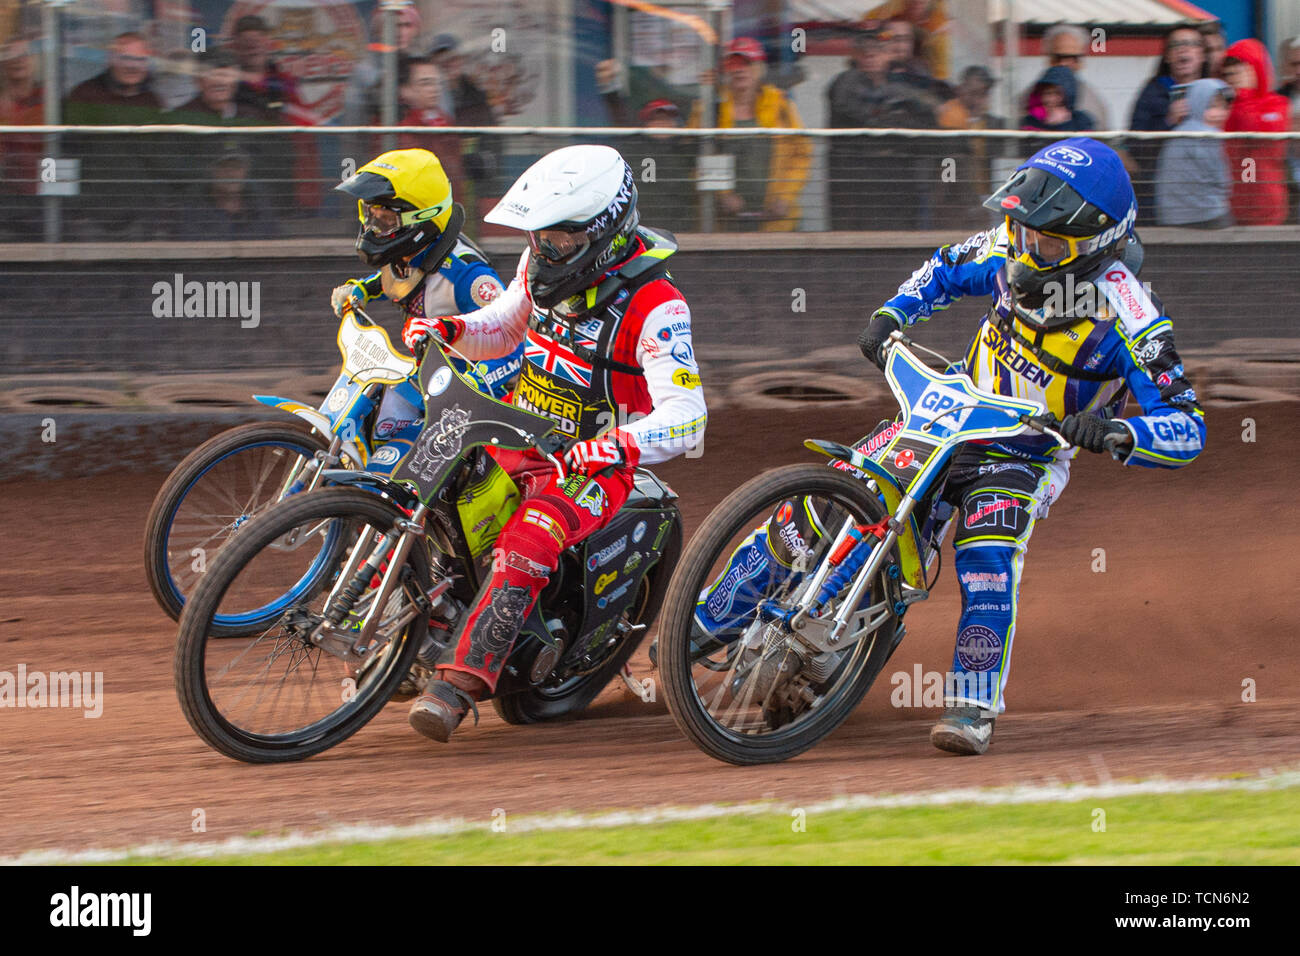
x=557, y=245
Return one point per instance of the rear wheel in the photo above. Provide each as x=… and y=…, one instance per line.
x=209, y=497
x=276, y=695
x=747, y=690
x=568, y=692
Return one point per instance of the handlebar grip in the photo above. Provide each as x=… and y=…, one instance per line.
x=1116, y=442
x=867, y=344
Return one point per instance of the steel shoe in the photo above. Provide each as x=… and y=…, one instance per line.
x=963, y=730
x=440, y=709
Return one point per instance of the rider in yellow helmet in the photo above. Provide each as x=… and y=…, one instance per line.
x=410, y=231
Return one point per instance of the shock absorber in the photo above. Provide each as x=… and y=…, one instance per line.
x=849, y=557
x=357, y=584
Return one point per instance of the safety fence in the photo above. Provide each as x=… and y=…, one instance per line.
x=140, y=183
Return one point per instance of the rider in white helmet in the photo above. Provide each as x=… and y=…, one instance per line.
x=607, y=355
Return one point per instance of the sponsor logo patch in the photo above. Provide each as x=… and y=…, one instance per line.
x=686, y=379
x=607, y=554
x=387, y=455
x=439, y=381
x=978, y=648
x=975, y=581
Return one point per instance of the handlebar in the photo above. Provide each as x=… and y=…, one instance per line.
x=1049, y=424
x=1046, y=423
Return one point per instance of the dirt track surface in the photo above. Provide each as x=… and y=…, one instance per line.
x=1137, y=671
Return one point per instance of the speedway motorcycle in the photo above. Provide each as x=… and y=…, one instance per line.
x=239, y=473
x=766, y=645
x=371, y=574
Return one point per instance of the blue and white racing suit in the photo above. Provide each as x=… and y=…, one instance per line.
x=1125, y=347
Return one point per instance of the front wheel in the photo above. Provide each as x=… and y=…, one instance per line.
x=209, y=497
x=283, y=693
x=739, y=683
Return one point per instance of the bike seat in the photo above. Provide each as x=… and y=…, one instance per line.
x=648, y=491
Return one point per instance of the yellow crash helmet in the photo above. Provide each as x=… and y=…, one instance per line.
x=404, y=204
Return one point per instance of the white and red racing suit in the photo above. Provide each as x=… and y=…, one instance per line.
x=624, y=365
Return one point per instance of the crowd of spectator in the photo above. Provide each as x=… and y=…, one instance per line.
x=896, y=76
x=234, y=186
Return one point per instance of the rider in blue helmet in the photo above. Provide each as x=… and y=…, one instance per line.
x=1071, y=327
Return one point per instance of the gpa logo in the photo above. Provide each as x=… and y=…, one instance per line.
x=978, y=648
x=1068, y=155
x=940, y=401
x=1010, y=202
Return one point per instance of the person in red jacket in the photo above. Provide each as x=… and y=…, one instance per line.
x=1258, y=166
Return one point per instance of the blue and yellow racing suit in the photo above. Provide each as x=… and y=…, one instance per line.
x=1124, y=347
x=464, y=282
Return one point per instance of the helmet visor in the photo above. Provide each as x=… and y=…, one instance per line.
x=379, y=221
x=557, y=245
x=1040, y=250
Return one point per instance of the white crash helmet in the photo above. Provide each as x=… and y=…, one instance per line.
x=578, y=207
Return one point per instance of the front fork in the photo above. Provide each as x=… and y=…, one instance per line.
x=389, y=554
x=809, y=604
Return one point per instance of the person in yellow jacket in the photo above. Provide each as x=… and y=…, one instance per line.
x=770, y=171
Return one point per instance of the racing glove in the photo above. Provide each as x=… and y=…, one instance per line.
x=882, y=325
x=349, y=292
x=445, y=328
x=613, y=449
x=1089, y=431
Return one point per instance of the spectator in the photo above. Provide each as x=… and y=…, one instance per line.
x=877, y=176
x=420, y=89
x=362, y=96
x=227, y=206
x=1067, y=45
x=22, y=103
x=468, y=105
x=969, y=109
x=1259, y=165
x=1182, y=61
x=770, y=172
x=663, y=163
x=217, y=98
x=1215, y=44
x=1051, y=104
x=114, y=167
x=121, y=94
x=1193, y=182
x=467, y=102
x=266, y=89
x=906, y=65
x=929, y=19
x=1290, y=88
x=628, y=90
x=272, y=162
x=263, y=86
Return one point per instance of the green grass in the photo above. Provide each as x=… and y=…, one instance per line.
x=1227, y=827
